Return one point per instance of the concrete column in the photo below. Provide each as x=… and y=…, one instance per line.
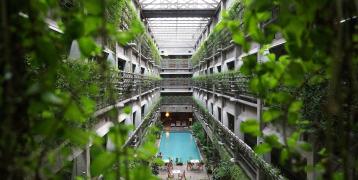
x=88, y=161
x=79, y=166
x=237, y=53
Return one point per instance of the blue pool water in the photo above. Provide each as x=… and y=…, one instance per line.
x=178, y=144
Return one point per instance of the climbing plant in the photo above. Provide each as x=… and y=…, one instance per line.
x=47, y=100
x=317, y=78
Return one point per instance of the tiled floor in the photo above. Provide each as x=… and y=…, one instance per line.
x=189, y=174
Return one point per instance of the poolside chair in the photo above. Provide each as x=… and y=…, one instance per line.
x=172, y=125
x=183, y=124
x=178, y=124
x=182, y=176
x=178, y=162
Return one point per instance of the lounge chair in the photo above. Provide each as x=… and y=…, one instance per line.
x=178, y=124
x=178, y=162
x=172, y=124
x=183, y=124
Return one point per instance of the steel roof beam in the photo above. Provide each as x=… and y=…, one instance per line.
x=160, y=13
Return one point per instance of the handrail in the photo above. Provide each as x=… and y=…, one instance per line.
x=235, y=142
x=150, y=117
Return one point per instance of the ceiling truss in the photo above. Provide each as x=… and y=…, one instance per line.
x=177, y=23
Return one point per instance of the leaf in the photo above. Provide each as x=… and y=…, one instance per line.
x=283, y=156
x=73, y=113
x=294, y=74
x=88, y=105
x=250, y=126
x=51, y=98
x=306, y=146
x=292, y=140
x=93, y=6
x=102, y=162
x=263, y=148
x=271, y=115
x=88, y=46
x=263, y=16
x=273, y=141
x=295, y=106
x=127, y=110
x=77, y=136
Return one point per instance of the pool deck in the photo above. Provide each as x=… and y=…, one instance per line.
x=191, y=174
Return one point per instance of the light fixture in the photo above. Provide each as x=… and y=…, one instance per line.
x=167, y=114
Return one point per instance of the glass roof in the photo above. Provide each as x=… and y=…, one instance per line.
x=177, y=32
x=179, y=4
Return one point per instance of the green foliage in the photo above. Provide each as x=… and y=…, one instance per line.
x=47, y=101
x=250, y=126
x=306, y=90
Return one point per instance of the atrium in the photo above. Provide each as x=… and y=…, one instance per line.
x=179, y=89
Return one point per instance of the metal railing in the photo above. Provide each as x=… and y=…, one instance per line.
x=126, y=85
x=177, y=100
x=150, y=119
x=231, y=84
x=238, y=147
x=176, y=83
x=175, y=64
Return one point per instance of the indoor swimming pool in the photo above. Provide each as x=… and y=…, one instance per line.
x=178, y=144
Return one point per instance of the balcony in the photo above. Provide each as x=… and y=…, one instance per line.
x=231, y=84
x=176, y=85
x=126, y=86
x=177, y=104
x=242, y=153
x=176, y=66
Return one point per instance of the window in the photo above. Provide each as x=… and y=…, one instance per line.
x=219, y=68
x=231, y=65
x=121, y=64
x=212, y=108
x=142, y=70
x=133, y=118
x=219, y=114
x=250, y=140
x=143, y=110
x=231, y=121
x=133, y=68
x=211, y=70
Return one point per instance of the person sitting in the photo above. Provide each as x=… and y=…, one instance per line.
x=160, y=155
x=170, y=165
x=189, y=165
x=182, y=176
x=201, y=165
x=170, y=174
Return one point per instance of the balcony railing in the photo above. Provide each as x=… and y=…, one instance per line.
x=150, y=119
x=177, y=100
x=126, y=85
x=232, y=84
x=173, y=83
x=175, y=64
x=241, y=150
